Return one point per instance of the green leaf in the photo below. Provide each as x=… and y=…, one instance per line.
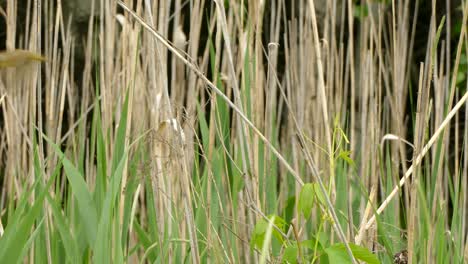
x=306, y=199
x=101, y=160
x=83, y=196
x=335, y=254
x=363, y=254
x=103, y=250
x=346, y=156
x=319, y=195
x=338, y=254
x=290, y=254
x=17, y=238
x=288, y=211
x=360, y=11
x=65, y=231
x=103, y=245
x=313, y=243
x=258, y=234
x=437, y=38
x=461, y=77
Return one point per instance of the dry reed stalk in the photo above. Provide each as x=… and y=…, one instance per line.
x=438, y=131
x=418, y=158
x=325, y=75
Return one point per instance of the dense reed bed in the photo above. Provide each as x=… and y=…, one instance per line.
x=235, y=132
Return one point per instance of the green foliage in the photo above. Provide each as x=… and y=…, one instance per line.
x=306, y=199
x=82, y=194
x=462, y=72
x=317, y=248
x=94, y=198
x=260, y=230
x=360, y=11
x=98, y=226
x=337, y=254
x=16, y=240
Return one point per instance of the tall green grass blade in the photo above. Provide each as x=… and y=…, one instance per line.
x=13, y=243
x=101, y=160
x=103, y=244
x=69, y=242
x=84, y=200
x=103, y=251
x=41, y=256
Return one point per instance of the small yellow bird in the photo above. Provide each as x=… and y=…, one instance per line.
x=18, y=58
